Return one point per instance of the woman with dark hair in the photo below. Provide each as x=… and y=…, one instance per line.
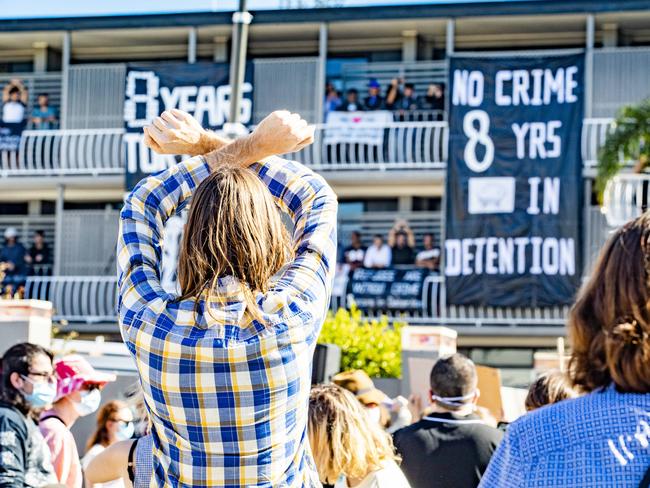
x=114, y=424
x=550, y=387
x=602, y=438
x=28, y=384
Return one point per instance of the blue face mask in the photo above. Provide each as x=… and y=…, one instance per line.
x=42, y=393
x=125, y=432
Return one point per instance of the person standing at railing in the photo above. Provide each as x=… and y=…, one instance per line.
x=351, y=103
x=226, y=366
x=429, y=256
x=12, y=259
x=378, y=255
x=14, y=99
x=374, y=100
x=39, y=256
x=434, y=100
x=355, y=252
x=43, y=116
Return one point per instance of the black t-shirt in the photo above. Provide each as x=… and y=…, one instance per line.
x=446, y=451
x=403, y=255
x=44, y=253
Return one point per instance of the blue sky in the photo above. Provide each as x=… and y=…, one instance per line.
x=12, y=9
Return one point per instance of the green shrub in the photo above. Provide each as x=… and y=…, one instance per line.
x=373, y=346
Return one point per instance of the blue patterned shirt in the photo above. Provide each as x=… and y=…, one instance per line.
x=227, y=394
x=599, y=440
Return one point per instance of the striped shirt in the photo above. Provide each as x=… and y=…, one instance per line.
x=227, y=394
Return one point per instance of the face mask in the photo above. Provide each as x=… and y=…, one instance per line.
x=89, y=403
x=42, y=393
x=125, y=432
x=375, y=414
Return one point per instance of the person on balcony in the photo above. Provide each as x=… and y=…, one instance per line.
x=12, y=261
x=374, y=100
x=226, y=366
x=78, y=395
x=39, y=256
x=603, y=437
x=403, y=254
x=43, y=116
x=402, y=101
x=351, y=103
x=434, y=100
x=429, y=256
x=401, y=240
x=355, y=252
x=378, y=256
x=451, y=446
x=332, y=99
x=14, y=99
x=28, y=384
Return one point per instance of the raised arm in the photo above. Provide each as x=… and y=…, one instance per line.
x=161, y=196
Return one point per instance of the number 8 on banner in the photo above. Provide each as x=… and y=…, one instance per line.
x=476, y=137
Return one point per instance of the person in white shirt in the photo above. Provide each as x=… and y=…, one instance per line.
x=14, y=97
x=114, y=424
x=349, y=448
x=378, y=255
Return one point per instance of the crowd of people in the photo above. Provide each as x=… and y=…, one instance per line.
x=18, y=262
x=225, y=367
x=399, y=96
x=399, y=249
x=358, y=436
x=15, y=99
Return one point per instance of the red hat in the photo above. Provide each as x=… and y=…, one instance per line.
x=73, y=372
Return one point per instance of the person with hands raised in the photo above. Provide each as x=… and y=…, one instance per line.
x=226, y=365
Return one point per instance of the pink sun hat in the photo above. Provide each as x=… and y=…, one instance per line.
x=73, y=372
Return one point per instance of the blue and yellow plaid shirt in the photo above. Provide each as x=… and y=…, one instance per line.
x=227, y=394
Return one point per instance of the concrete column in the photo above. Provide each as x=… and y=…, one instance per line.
x=191, y=45
x=322, y=71
x=65, y=76
x=589, y=65
x=220, y=54
x=451, y=34
x=405, y=203
x=610, y=35
x=409, y=45
x=40, y=57
x=58, y=237
x=34, y=207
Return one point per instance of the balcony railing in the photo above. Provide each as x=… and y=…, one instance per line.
x=65, y=152
x=401, y=145
x=626, y=197
x=88, y=299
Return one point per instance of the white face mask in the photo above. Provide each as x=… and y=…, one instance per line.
x=375, y=414
x=89, y=403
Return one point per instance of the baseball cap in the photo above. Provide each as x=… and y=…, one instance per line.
x=10, y=232
x=373, y=83
x=359, y=383
x=73, y=372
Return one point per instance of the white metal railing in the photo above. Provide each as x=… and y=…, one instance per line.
x=436, y=311
x=626, y=197
x=88, y=299
x=401, y=145
x=594, y=133
x=65, y=152
x=407, y=145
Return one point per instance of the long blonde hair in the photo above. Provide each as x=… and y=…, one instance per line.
x=233, y=229
x=343, y=438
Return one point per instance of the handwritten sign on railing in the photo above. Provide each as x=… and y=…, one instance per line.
x=357, y=127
